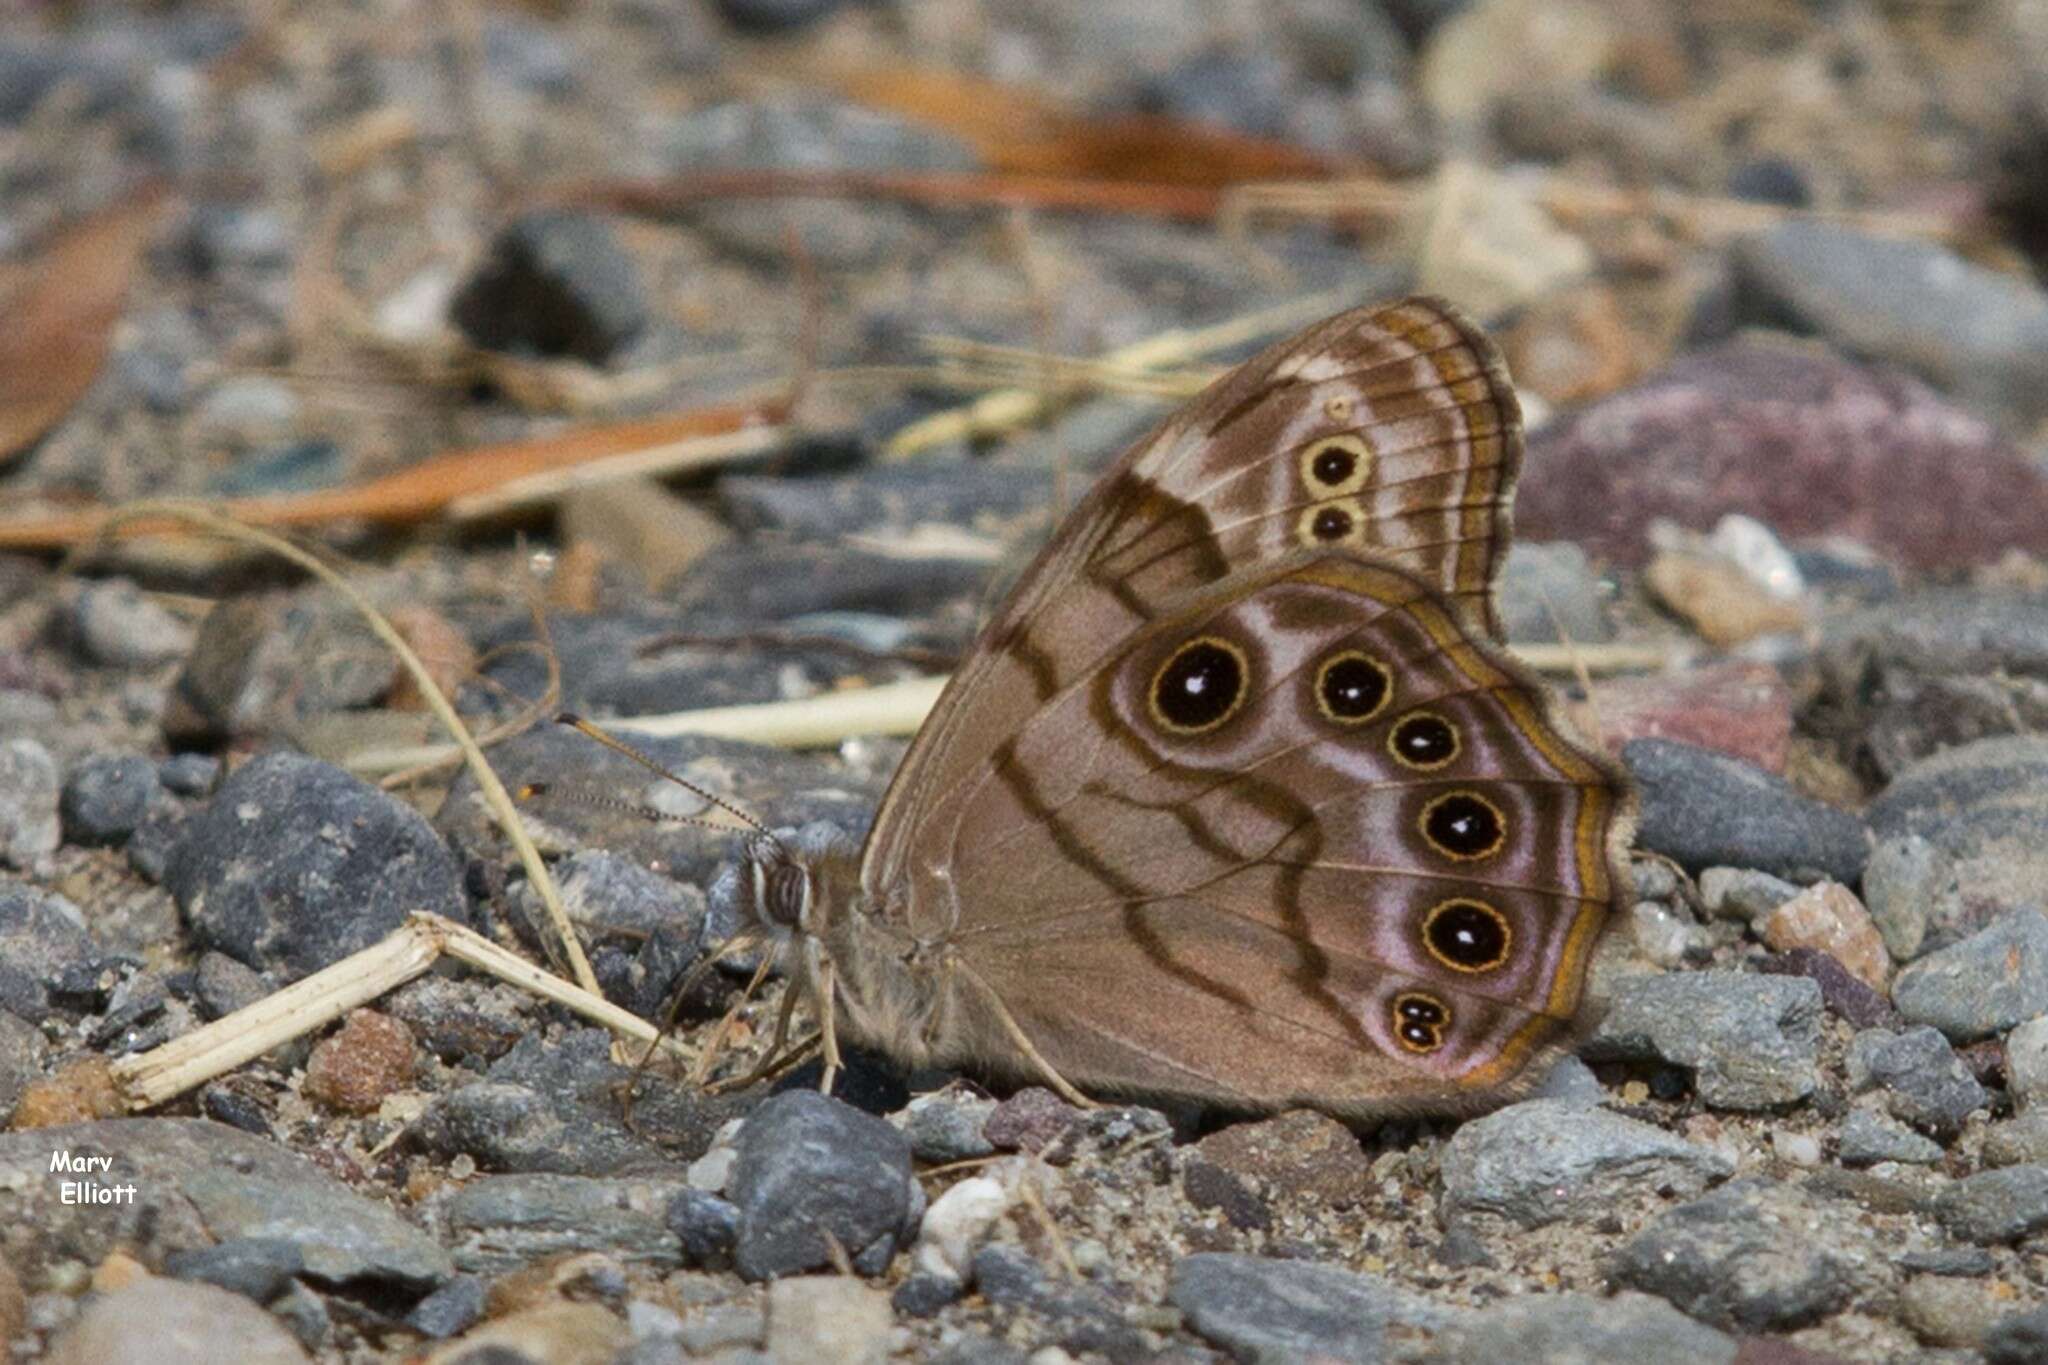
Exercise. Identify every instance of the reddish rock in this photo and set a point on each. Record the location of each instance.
(1029, 1121)
(1734, 708)
(367, 1058)
(1807, 443)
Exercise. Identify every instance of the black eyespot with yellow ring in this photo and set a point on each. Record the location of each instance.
(1329, 525)
(1463, 826)
(1202, 685)
(1336, 466)
(1420, 1021)
(1467, 935)
(1352, 687)
(1424, 741)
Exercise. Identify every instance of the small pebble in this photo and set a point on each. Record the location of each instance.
(367, 1058)
(105, 799)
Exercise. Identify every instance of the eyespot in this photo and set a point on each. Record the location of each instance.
(1200, 687)
(1323, 525)
(1463, 826)
(1336, 465)
(1351, 687)
(1420, 1021)
(1423, 740)
(1467, 935)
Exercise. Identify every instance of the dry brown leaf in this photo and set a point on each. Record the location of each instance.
(60, 319)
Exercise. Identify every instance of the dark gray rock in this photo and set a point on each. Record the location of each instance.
(610, 895)
(809, 1166)
(1924, 1082)
(450, 1310)
(1940, 668)
(1989, 982)
(495, 1223)
(1978, 333)
(254, 1267)
(1745, 1258)
(774, 16)
(1751, 1041)
(296, 864)
(42, 948)
(923, 1294)
(1700, 809)
(1261, 1308)
(555, 284)
(556, 1105)
(2018, 1141)
(104, 799)
(1996, 1206)
(210, 1183)
(1079, 1316)
(225, 985)
(1577, 1329)
(455, 1019)
(29, 827)
(21, 1060)
(705, 1226)
(2018, 1339)
(1550, 587)
(1743, 893)
(891, 498)
(1866, 1139)
(1544, 1160)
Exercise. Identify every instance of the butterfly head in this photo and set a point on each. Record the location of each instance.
(788, 883)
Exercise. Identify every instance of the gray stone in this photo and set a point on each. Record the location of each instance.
(1989, 982)
(809, 1167)
(1750, 1041)
(1944, 1311)
(705, 1226)
(225, 985)
(1580, 1329)
(1983, 806)
(1743, 893)
(1746, 1258)
(42, 948)
(450, 1310)
(208, 1183)
(1544, 1160)
(113, 623)
(947, 1127)
(29, 828)
(189, 774)
(1979, 333)
(1571, 1081)
(295, 864)
(1996, 1206)
(254, 1267)
(1703, 809)
(1908, 883)
(555, 284)
(1925, 1083)
(105, 798)
(1867, 1139)
(1262, 1308)
(243, 413)
(2026, 1061)
(172, 1322)
(889, 499)
(496, 1223)
(2018, 1141)
(1550, 587)
(1080, 1317)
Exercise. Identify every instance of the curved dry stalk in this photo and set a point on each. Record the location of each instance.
(495, 796)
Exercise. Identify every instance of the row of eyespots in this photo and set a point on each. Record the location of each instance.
(1333, 470)
(1465, 935)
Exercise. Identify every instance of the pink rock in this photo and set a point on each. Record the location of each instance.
(1809, 444)
(1827, 916)
(1735, 708)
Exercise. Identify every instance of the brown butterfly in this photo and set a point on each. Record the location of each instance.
(1238, 799)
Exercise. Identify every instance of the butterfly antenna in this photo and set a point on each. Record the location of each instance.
(578, 723)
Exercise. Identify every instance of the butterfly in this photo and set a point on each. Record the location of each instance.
(1238, 799)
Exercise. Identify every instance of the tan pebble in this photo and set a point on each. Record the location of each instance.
(352, 1070)
(79, 1093)
(1827, 916)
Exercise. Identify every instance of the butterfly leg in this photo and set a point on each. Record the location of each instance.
(1046, 1069)
(822, 987)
